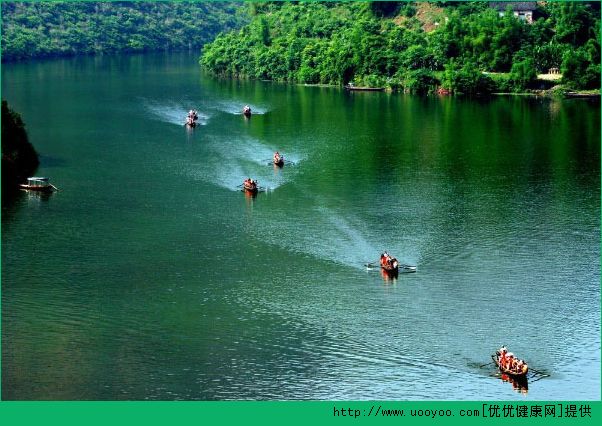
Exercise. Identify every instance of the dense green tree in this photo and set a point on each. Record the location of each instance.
(41, 29)
(578, 72)
(19, 158)
(378, 43)
(523, 74)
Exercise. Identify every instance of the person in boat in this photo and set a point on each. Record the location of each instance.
(246, 109)
(510, 362)
(502, 355)
(519, 366)
(276, 157)
(386, 260)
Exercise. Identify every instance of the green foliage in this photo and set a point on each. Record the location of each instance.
(383, 43)
(419, 81)
(65, 28)
(467, 79)
(19, 158)
(523, 74)
(578, 72)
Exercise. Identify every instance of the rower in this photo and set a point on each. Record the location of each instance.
(511, 361)
(519, 366)
(502, 355)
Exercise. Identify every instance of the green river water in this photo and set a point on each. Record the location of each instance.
(149, 275)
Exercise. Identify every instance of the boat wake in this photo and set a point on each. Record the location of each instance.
(174, 113)
(328, 234)
(235, 107)
(231, 161)
(321, 233)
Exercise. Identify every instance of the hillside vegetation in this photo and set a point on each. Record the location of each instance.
(19, 158)
(460, 46)
(42, 29)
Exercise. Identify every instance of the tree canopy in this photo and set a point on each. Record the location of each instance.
(19, 158)
(453, 45)
(40, 29)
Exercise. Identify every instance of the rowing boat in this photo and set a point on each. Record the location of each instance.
(512, 373)
(364, 89)
(250, 187)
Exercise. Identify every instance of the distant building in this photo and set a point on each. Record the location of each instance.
(523, 10)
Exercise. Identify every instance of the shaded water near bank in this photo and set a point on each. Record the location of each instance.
(149, 275)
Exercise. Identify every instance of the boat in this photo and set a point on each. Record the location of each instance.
(278, 160)
(40, 184)
(351, 87)
(389, 264)
(250, 186)
(578, 95)
(522, 374)
(191, 118)
(246, 111)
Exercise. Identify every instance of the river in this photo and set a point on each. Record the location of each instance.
(150, 275)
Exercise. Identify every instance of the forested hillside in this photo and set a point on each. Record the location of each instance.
(44, 29)
(460, 46)
(19, 158)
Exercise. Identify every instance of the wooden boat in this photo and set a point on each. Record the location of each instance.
(512, 373)
(364, 89)
(40, 184)
(390, 267)
(577, 95)
(250, 187)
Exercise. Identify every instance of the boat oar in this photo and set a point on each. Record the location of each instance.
(371, 264)
(53, 186)
(484, 365)
(541, 373)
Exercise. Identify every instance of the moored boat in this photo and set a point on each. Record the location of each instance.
(363, 89)
(40, 184)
